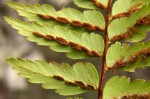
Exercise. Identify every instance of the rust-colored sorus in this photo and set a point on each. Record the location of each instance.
(145, 21)
(68, 43)
(134, 57)
(73, 23)
(129, 12)
(125, 35)
(99, 4)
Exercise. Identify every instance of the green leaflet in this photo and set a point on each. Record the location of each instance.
(46, 14)
(125, 87)
(140, 34)
(66, 80)
(124, 6)
(91, 4)
(60, 39)
(120, 55)
(122, 26)
(121, 6)
(115, 52)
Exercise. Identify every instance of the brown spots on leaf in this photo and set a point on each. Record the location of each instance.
(83, 86)
(49, 37)
(95, 54)
(90, 87)
(45, 17)
(38, 34)
(62, 41)
(143, 58)
(86, 87)
(99, 4)
(134, 57)
(71, 83)
(92, 28)
(98, 28)
(125, 14)
(117, 37)
(73, 23)
(84, 49)
(61, 20)
(130, 32)
(145, 21)
(134, 8)
(75, 83)
(58, 77)
(89, 26)
(77, 23)
(129, 12)
(75, 46)
(67, 43)
(119, 62)
(80, 83)
(90, 53)
(78, 47)
(145, 52)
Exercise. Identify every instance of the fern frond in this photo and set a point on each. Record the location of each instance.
(126, 89)
(124, 27)
(124, 8)
(121, 55)
(85, 44)
(66, 80)
(46, 14)
(91, 4)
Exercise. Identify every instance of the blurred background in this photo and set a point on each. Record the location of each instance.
(14, 45)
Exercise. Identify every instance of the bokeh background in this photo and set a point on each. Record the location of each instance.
(14, 45)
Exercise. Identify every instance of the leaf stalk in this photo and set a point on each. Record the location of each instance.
(106, 40)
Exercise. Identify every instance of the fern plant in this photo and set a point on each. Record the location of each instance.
(74, 33)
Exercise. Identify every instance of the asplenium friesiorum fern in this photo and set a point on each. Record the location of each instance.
(74, 33)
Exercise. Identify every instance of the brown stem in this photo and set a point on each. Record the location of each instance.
(104, 68)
